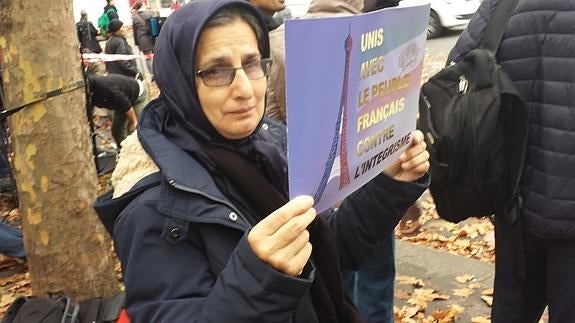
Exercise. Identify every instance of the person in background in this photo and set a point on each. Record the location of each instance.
(11, 242)
(372, 5)
(535, 254)
(117, 44)
(268, 8)
(111, 10)
(124, 95)
(142, 32)
(202, 223)
(87, 35)
(280, 16)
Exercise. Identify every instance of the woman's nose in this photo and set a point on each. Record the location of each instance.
(242, 85)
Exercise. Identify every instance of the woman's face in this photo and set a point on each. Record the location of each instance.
(236, 109)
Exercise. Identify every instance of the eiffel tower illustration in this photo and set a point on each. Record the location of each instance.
(340, 133)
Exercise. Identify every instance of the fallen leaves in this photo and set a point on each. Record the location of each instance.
(463, 292)
(487, 299)
(418, 303)
(480, 319)
(471, 238)
(6, 300)
(408, 314)
(401, 294)
(428, 294)
(448, 315)
(464, 278)
(13, 286)
(487, 296)
(469, 290)
(408, 280)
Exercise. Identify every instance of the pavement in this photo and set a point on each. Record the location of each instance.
(438, 271)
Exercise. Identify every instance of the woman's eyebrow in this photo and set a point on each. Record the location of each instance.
(214, 61)
(251, 56)
(222, 60)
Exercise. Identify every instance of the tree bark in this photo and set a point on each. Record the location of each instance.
(66, 246)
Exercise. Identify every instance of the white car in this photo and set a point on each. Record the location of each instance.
(447, 14)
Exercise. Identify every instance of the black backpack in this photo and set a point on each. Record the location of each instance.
(475, 126)
(63, 309)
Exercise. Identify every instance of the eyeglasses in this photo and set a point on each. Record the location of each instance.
(224, 76)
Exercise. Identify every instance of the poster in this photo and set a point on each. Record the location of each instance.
(352, 89)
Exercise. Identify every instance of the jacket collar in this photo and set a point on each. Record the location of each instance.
(150, 159)
(179, 168)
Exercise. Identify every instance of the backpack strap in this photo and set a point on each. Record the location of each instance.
(496, 24)
(113, 307)
(71, 309)
(13, 309)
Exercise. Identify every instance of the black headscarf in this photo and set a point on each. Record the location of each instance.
(174, 70)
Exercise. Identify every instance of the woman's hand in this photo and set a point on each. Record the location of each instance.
(281, 239)
(412, 163)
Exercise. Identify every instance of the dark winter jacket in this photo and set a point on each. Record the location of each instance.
(537, 53)
(372, 5)
(182, 242)
(142, 35)
(118, 45)
(87, 36)
(113, 91)
(269, 17)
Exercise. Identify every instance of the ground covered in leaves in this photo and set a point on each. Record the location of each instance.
(473, 238)
(416, 300)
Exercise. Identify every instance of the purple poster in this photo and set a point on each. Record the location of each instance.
(352, 86)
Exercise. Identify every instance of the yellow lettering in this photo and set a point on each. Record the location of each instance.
(371, 39)
(371, 67)
(379, 114)
(371, 142)
(363, 97)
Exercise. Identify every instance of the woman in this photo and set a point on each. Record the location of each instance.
(208, 235)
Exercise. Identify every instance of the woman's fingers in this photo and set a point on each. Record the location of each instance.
(292, 258)
(281, 216)
(415, 161)
(298, 262)
(417, 146)
(293, 228)
(281, 239)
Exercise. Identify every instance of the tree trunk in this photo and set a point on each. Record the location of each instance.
(66, 246)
